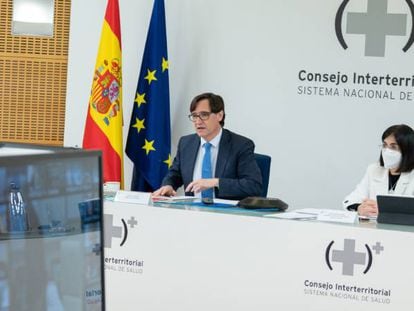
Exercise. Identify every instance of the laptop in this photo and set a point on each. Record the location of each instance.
(394, 209)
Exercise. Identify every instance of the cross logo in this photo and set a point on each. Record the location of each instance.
(376, 24)
(378, 248)
(132, 222)
(349, 257)
(110, 231)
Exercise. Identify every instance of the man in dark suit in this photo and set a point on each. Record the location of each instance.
(230, 170)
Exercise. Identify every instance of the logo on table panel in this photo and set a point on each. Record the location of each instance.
(352, 257)
(117, 232)
(376, 24)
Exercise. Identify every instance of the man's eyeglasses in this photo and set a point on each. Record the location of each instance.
(203, 115)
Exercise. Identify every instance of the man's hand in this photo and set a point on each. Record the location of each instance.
(202, 184)
(368, 207)
(164, 191)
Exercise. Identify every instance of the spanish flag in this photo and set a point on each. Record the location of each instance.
(103, 128)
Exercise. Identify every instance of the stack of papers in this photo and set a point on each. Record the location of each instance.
(330, 215)
(296, 215)
(333, 215)
(176, 199)
(190, 199)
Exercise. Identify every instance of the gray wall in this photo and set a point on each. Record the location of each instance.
(250, 52)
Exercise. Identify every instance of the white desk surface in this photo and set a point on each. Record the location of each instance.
(191, 258)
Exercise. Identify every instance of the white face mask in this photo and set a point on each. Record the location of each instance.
(391, 158)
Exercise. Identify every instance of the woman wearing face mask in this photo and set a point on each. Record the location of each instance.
(393, 174)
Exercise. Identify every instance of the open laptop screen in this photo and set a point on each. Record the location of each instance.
(51, 232)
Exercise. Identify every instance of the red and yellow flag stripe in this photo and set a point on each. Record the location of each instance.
(103, 128)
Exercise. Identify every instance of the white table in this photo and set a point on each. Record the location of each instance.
(189, 259)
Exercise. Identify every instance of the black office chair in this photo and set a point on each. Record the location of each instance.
(263, 161)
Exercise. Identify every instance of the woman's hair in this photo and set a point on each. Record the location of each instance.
(404, 136)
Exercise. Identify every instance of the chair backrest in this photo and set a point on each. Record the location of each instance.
(263, 161)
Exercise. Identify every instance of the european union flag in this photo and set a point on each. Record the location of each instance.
(149, 137)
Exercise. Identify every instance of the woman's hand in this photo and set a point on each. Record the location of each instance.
(368, 207)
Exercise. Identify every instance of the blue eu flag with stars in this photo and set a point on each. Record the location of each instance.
(149, 137)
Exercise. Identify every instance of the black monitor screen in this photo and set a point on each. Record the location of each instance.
(50, 232)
